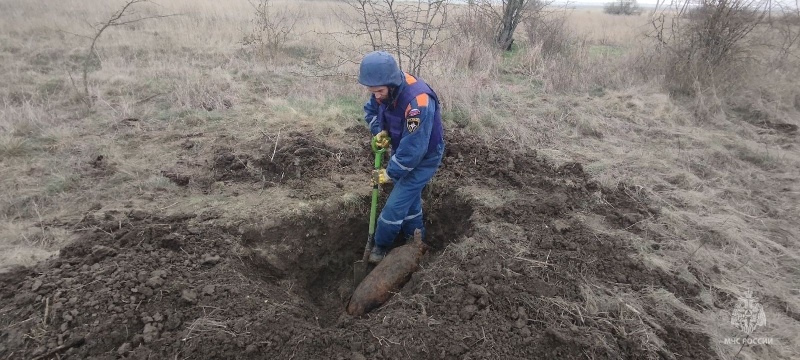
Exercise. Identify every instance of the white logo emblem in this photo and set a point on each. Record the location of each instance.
(412, 124)
(748, 314)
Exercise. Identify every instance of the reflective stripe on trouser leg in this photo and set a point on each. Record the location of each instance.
(404, 194)
(407, 194)
(413, 220)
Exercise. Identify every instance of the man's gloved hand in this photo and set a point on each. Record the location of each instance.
(382, 139)
(380, 177)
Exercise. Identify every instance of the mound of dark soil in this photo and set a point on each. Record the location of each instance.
(294, 158)
(140, 286)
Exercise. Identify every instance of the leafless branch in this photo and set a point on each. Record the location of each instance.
(145, 18)
(116, 19)
(705, 37)
(272, 28)
(408, 29)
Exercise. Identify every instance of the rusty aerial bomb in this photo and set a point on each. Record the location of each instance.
(388, 277)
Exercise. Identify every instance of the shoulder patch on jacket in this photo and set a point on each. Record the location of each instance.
(413, 113)
(422, 100)
(412, 124)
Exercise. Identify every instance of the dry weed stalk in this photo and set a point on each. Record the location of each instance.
(207, 323)
(441, 281)
(383, 341)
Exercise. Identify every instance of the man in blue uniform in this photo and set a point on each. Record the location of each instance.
(404, 113)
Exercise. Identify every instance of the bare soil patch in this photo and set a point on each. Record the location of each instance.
(140, 286)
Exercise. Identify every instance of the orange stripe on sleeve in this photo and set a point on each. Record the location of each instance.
(410, 79)
(422, 100)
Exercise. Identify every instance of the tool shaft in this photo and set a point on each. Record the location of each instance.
(373, 211)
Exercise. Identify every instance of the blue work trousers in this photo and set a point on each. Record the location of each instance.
(403, 209)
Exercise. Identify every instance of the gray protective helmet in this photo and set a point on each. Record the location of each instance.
(379, 68)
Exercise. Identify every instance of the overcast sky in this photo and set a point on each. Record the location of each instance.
(589, 2)
(786, 4)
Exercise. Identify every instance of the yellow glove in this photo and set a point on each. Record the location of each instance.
(381, 177)
(382, 139)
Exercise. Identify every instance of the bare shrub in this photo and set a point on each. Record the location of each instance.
(504, 17)
(125, 16)
(786, 27)
(470, 54)
(408, 29)
(272, 28)
(513, 12)
(622, 7)
(472, 24)
(563, 61)
(478, 25)
(707, 45)
(472, 46)
(549, 32)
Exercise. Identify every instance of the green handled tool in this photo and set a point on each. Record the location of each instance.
(361, 267)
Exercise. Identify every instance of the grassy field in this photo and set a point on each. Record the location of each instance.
(719, 164)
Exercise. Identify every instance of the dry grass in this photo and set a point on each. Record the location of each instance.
(600, 28)
(727, 187)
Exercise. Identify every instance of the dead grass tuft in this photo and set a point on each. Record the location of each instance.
(11, 146)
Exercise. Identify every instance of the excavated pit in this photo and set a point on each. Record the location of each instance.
(532, 281)
(317, 252)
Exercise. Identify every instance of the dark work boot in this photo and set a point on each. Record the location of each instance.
(377, 254)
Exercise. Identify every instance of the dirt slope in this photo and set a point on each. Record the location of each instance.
(515, 273)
